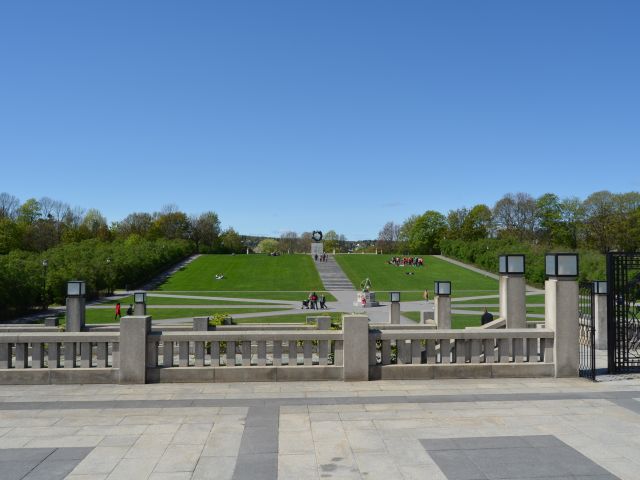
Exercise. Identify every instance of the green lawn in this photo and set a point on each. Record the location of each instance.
(105, 315)
(457, 321)
(174, 301)
(385, 277)
(301, 318)
(247, 272)
(539, 299)
(412, 296)
(295, 295)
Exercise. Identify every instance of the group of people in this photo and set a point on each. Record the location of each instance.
(312, 302)
(118, 315)
(322, 258)
(404, 261)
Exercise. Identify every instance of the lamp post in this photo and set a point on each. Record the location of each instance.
(442, 304)
(513, 305)
(561, 311)
(76, 290)
(394, 310)
(599, 313)
(45, 264)
(109, 276)
(140, 303)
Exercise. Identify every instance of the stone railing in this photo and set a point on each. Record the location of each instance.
(358, 352)
(241, 355)
(58, 357)
(395, 354)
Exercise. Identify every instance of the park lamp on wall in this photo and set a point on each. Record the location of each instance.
(75, 288)
(394, 296)
(443, 288)
(561, 265)
(509, 264)
(600, 287)
(139, 297)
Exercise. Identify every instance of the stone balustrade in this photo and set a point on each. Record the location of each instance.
(359, 352)
(460, 353)
(238, 354)
(59, 357)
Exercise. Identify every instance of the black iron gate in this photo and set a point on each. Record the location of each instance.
(587, 331)
(623, 312)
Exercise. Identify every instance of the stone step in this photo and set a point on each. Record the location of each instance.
(332, 276)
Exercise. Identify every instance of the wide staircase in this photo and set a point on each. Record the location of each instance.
(332, 275)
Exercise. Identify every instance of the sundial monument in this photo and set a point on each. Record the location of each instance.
(317, 246)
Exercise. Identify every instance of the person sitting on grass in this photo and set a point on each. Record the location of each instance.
(219, 276)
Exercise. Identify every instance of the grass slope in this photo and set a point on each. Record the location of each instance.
(174, 301)
(105, 315)
(290, 295)
(385, 277)
(247, 272)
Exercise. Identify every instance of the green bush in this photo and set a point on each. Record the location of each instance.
(131, 263)
(484, 254)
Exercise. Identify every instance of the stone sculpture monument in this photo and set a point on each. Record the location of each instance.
(317, 246)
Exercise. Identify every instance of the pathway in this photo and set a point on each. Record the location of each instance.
(434, 429)
(481, 271)
(332, 275)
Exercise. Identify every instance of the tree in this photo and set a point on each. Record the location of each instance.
(455, 222)
(288, 241)
(549, 218)
(388, 237)
(8, 205)
(95, 224)
(138, 223)
(170, 224)
(404, 234)
(477, 224)
(268, 245)
(205, 231)
(600, 209)
(29, 212)
(427, 232)
(231, 242)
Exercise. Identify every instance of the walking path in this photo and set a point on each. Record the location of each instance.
(332, 275)
(481, 271)
(437, 430)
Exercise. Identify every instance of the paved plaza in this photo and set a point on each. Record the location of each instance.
(444, 429)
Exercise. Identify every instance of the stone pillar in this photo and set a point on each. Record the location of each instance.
(323, 323)
(51, 322)
(394, 313)
(200, 324)
(426, 317)
(75, 313)
(133, 348)
(561, 315)
(513, 304)
(442, 312)
(139, 309)
(356, 348)
(600, 320)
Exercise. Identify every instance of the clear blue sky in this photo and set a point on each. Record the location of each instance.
(316, 115)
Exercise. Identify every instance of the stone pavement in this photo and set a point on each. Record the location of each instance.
(444, 429)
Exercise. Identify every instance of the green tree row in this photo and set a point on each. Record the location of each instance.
(484, 254)
(28, 279)
(38, 225)
(604, 221)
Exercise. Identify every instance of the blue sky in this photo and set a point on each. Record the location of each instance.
(324, 115)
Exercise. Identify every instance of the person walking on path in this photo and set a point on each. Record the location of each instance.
(323, 301)
(425, 295)
(118, 315)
